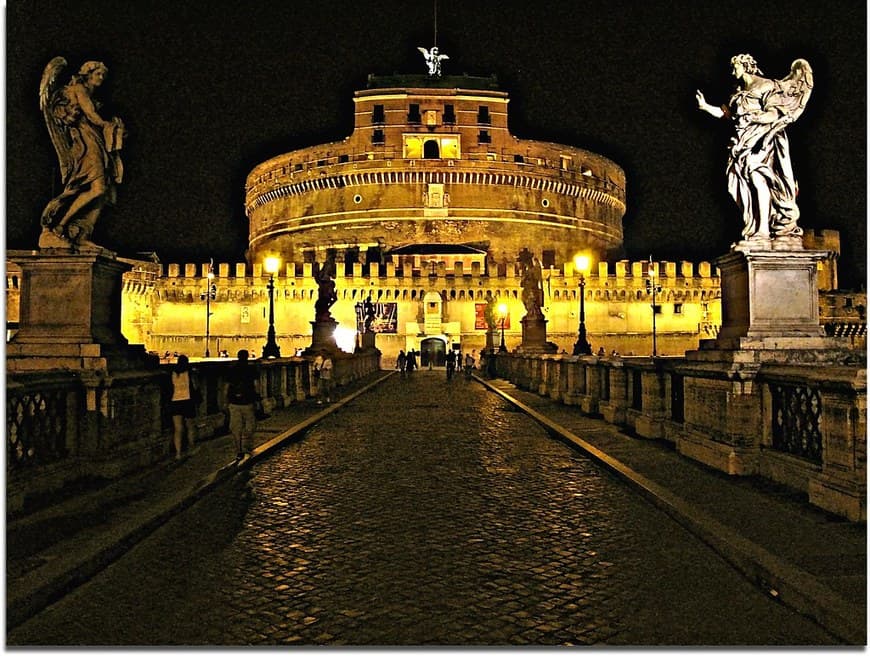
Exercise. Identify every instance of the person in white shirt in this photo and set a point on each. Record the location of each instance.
(183, 406)
(323, 368)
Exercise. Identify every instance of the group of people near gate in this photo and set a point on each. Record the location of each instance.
(453, 360)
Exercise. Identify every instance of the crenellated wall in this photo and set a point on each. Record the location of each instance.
(617, 304)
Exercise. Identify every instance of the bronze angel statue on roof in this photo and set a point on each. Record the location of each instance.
(433, 60)
(88, 151)
(759, 172)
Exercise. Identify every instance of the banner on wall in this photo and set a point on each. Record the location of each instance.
(385, 321)
(480, 318)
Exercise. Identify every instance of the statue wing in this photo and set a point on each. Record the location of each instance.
(796, 89)
(443, 57)
(48, 88)
(424, 51)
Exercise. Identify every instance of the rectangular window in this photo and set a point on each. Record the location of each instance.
(484, 137)
(519, 159)
(449, 116)
(414, 113)
(548, 259)
(377, 136)
(297, 167)
(657, 308)
(483, 115)
(342, 159)
(678, 308)
(378, 114)
(565, 162)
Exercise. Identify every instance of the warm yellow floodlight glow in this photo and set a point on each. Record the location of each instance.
(581, 263)
(502, 310)
(271, 264)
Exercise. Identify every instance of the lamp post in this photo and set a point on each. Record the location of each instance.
(502, 314)
(582, 345)
(208, 296)
(653, 288)
(271, 349)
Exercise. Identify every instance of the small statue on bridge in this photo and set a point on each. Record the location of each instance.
(368, 314)
(532, 281)
(88, 150)
(324, 274)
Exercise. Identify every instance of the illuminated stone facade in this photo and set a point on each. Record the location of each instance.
(431, 160)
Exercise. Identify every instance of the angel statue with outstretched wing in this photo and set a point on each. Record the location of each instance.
(433, 60)
(759, 172)
(88, 151)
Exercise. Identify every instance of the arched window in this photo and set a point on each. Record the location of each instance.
(431, 150)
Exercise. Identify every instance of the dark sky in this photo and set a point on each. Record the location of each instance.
(209, 89)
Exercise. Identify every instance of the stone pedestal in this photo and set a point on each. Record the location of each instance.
(770, 294)
(70, 313)
(367, 340)
(323, 336)
(535, 336)
(770, 310)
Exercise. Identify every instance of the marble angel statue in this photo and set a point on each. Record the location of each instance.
(88, 151)
(759, 171)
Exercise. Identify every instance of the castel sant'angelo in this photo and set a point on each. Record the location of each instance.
(426, 210)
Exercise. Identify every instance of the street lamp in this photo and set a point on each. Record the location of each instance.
(652, 287)
(271, 350)
(502, 314)
(582, 345)
(208, 296)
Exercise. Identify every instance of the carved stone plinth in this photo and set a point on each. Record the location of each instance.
(70, 313)
(367, 340)
(770, 294)
(323, 336)
(770, 311)
(535, 336)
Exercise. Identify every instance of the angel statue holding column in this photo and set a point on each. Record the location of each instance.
(88, 151)
(759, 172)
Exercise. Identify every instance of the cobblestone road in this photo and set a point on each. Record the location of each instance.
(421, 513)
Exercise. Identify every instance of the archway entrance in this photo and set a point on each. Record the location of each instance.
(432, 349)
(431, 150)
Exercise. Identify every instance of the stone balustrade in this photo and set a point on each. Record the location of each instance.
(803, 426)
(65, 429)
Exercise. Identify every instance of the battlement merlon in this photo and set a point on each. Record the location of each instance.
(666, 273)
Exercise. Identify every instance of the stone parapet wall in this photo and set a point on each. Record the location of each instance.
(67, 429)
(798, 425)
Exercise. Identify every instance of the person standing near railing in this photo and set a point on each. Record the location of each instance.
(182, 406)
(242, 396)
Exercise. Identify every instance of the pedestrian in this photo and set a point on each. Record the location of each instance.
(411, 361)
(601, 352)
(401, 361)
(469, 363)
(185, 398)
(323, 366)
(242, 397)
(450, 363)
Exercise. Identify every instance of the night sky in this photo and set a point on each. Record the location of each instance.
(209, 89)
